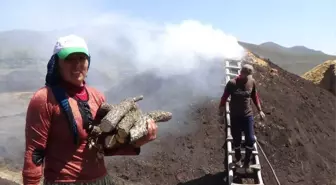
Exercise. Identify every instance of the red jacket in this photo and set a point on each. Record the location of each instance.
(47, 129)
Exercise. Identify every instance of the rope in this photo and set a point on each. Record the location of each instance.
(262, 151)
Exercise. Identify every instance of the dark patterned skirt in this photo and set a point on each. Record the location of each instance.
(106, 180)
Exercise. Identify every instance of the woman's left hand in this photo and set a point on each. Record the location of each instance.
(152, 130)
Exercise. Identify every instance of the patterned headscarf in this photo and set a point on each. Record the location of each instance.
(52, 80)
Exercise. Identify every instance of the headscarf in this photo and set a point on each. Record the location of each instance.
(52, 80)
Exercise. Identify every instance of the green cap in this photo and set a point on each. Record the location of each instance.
(70, 44)
(65, 52)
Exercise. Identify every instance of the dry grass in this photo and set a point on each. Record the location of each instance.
(317, 73)
(256, 60)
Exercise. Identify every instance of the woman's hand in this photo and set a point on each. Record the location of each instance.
(152, 131)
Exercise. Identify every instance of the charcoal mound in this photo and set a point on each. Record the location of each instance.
(299, 135)
(298, 138)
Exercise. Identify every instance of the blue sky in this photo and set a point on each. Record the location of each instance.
(310, 23)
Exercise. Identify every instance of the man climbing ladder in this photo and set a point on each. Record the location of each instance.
(242, 90)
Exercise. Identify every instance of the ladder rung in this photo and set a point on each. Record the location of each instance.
(230, 138)
(255, 166)
(243, 138)
(233, 67)
(243, 152)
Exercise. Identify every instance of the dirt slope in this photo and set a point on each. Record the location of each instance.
(298, 138)
(323, 75)
(301, 133)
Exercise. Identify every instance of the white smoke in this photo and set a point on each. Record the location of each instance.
(178, 48)
(171, 49)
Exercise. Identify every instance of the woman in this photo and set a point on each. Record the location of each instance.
(57, 118)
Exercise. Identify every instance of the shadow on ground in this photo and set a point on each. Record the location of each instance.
(213, 179)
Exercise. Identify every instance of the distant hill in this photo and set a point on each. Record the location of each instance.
(297, 59)
(25, 44)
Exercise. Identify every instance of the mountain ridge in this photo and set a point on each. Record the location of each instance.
(296, 48)
(295, 59)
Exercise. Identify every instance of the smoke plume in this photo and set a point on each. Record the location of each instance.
(170, 49)
(172, 65)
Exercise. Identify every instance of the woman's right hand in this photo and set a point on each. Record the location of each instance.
(152, 131)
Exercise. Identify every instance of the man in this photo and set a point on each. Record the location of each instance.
(242, 90)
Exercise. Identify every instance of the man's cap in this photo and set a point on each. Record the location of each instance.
(70, 44)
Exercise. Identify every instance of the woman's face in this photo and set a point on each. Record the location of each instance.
(74, 68)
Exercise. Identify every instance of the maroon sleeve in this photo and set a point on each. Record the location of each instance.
(226, 94)
(36, 134)
(255, 97)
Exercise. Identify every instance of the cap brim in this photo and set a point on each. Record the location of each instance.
(65, 52)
